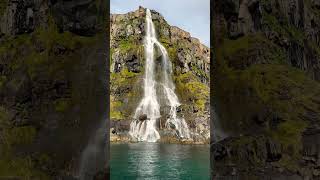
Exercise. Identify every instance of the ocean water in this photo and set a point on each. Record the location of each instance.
(156, 161)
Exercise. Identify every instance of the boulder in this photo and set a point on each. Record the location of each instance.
(143, 117)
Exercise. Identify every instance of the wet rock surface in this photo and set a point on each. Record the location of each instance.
(53, 84)
(266, 89)
(191, 67)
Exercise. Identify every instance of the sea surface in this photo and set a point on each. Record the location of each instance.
(156, 161)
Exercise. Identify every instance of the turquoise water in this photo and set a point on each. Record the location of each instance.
(155, 161)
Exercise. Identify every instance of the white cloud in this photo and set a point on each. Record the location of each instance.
(190, 15)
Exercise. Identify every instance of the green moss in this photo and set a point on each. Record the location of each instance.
(12, 44)
(241, 44)
(11, 135)
(289, 134)
(122, 82)
(284, 30)
(115, 113)
(190, 88)
(122, 78)
(286, 91)
(3, 6)
(110, 56)
(289, 162)
(50, 36)
(36, 56)
(19, 135)
(11, 164)
(200, 72)
(127, 44)
(34, 62)
(22, 168)
(4, 117)
(3, 80)
(62, 105)
(164, 40)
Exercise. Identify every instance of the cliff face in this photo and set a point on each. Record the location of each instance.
(190, 61)
(52, 84)
(267, 89)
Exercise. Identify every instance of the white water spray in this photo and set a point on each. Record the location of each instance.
(146, 130)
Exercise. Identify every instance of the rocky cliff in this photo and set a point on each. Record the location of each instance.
(191, 64)
(52, 84)
(267, 89)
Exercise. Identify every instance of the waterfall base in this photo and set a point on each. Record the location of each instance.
(166, 136)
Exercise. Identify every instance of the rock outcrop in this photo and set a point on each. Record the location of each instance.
(267, 89)
(191, 67)
(52, 84)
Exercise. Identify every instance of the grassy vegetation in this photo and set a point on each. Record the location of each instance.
(284, 30)
(123, 83)
(44, 54)
(3, 6)
(62, 105)
(252, 49)
(10, 163)
(127, 44)
(124, 77)
(188, 85)
(115, 113)
(286, 91)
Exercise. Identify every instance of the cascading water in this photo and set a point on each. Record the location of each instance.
(146, 130)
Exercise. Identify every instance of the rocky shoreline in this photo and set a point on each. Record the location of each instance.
(119, 132)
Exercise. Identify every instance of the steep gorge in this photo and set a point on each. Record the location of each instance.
(191, 63)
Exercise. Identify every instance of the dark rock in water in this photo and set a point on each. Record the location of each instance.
(143, 117)
(179, 109)
(178, 134)
(172, 126)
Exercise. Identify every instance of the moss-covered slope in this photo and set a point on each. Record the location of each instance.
(267, 89)
(190, 61)
(52, 88)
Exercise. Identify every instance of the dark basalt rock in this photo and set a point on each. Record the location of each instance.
(78, 16)
(42, 97)
(261, 146)
(82, 17)
(143, 117)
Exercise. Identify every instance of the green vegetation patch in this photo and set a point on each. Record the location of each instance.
(115, 113)
(192, 90)
(284, 30)
(20, 167)
(19, 135)
(122, 85)
(62, 105)
(251, 49)
(10, 136)
(3, 6)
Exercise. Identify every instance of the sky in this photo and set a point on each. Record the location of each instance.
(192, 16)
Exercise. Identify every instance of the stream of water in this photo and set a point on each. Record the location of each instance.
(146, 130)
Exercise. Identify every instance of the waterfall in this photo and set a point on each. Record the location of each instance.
(146, 130)
(93, 158)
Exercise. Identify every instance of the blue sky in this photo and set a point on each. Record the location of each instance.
(190, 15)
